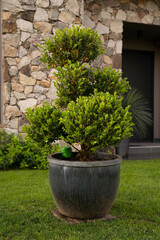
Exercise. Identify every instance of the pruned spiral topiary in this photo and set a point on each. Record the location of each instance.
(94, 116)
(95, 122)
(74, 44)
(74, 80)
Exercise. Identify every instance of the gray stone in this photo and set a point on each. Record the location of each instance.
(28, 16)
(121, 15)
(13, 71)
(35, 39)
(117, 26)
(27, 103)
(43, 27)
(147, 19)
(13, 123)
(53, 14)
(117, 61)
(133, 17)
(9, 51)
(19, 95)
(109, 51)
(29, 7)
(25, 26)
(25, 36)
(40, 89)
(41, 15)
(26, 70)
(12, 111)
(6, 76)
(109, 9)
(29, 2)
(25, 80)
(56, 3)
(12, 101)
(28, 89)
(156, 21)
(106, 22)
(157, 14)
(41, 99)
(98, 62)
(12, 94)
(9, 131)
(107, 60)
(22, 52)
(66, 17)
(11, 39)
(101, 29)
(11, 61)
(44, 83)
(151, 6)
(88, 22)
(6, 16)
(39, 75)
(116, 36)
(24, 61)
(42, 3)
(31, 95)
(12, 6)
(7, 90)
(36, 61)
(60, 25)
(111, 43)
(52, 75)
(17, 87)
(105, 15)
(9, 27)
(119, 47)
(52, 92)
(26, 44)
(94, 7)
(72, 6)
(35, 54)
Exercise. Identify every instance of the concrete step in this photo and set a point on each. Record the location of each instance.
(144, 151)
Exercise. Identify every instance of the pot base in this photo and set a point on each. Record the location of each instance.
(69, 220)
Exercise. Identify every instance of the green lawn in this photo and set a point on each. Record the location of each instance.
(26, 203)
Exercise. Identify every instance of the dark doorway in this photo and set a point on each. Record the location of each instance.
(138, 67)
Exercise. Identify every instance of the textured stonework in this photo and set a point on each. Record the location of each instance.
(25, 23)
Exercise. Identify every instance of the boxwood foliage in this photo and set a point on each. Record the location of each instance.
(96, 121)
(44, 124)
(74, 80)
(16, 152)
(74, 44)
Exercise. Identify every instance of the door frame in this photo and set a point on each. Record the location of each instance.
(139, 84)
(140, 44)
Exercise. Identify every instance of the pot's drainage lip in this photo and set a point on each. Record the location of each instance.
(69, 220)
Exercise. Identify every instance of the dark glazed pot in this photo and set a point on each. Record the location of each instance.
(123, 147)
(84, 190)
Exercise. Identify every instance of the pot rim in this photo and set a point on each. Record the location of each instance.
(100, 163)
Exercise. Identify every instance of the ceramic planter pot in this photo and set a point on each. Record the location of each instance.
(84, 190)
(123, 147)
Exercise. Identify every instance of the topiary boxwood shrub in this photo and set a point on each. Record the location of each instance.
(95, 122)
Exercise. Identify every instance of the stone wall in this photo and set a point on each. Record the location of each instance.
(107, 16)
(25, 23)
